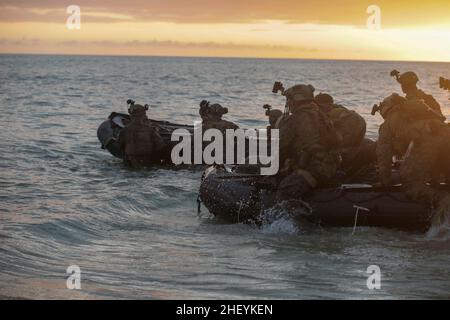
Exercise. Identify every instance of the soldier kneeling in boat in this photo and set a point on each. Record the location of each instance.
(408, 81)
(414, 131)
(307, 138)
(211, 115)
(140, 142)
(275, 116)
(357, 152)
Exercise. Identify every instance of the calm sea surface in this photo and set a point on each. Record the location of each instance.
(137, 234)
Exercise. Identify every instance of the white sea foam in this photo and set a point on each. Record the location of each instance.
(285, 218)
(440, 229)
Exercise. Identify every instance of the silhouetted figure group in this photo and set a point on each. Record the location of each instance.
(321, 140)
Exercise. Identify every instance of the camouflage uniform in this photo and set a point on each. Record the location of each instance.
(280, 122)
(218, 124)
(410, 129)
(141, 143)
(274, 117)
(427, 98)
(408, 81)
(304, 152)
(212, 119)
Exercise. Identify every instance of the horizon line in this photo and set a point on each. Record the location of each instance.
(216, 57)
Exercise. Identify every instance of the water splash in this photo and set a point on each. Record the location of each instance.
(440, 227)
(288, 217)
(283, 225)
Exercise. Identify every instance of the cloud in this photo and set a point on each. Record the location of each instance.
(20, 42)
(58, 15)
(348, 12)
(177, 44)
(152, 46)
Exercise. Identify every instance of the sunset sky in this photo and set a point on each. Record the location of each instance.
(410, 29)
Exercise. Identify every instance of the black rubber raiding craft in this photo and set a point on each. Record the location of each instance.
(109, 130)
(237, 197)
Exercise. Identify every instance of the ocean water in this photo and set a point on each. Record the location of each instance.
(137, 234)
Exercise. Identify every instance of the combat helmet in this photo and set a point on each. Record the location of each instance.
(324, 98)
(390, 102)
(274, 113)
(406, 78)
(134, 108)
(208, 110)
(300, 93)
(137, 109)
(217, 109)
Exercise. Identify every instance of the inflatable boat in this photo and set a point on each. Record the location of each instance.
(109, 130)
(237, 197)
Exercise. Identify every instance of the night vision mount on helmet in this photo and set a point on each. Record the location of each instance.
(131, 104)
(389, 102)
(211, 109)
(405, 78)
(278, 87)
(296, 93)
(268, 109)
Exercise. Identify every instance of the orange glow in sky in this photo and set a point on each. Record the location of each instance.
(410, 30)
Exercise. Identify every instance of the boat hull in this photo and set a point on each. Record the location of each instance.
(239, 198)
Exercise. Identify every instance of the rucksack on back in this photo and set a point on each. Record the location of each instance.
(329, 137)
(415, 110)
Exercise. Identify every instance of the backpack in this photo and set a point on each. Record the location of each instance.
(351, 126)
(415, 120)
(329, 137)
(415, 110)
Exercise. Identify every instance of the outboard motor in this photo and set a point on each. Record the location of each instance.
(108, 132)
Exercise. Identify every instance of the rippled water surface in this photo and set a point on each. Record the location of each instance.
(137, 234)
